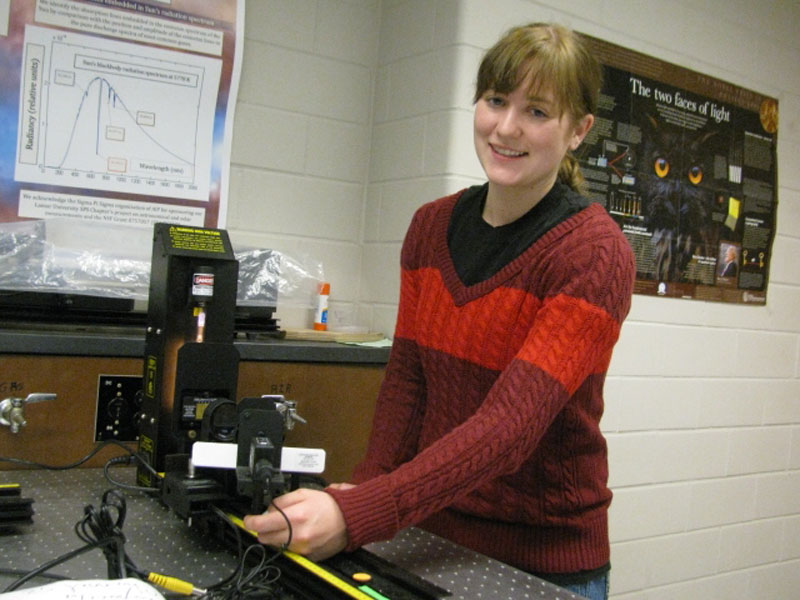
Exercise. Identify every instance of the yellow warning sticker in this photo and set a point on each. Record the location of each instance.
(150, 378)
(199, 240)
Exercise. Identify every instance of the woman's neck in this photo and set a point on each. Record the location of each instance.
(505, 205)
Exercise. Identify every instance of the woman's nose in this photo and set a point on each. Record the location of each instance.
(508, 123)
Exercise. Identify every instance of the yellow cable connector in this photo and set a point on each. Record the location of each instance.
(174, 585)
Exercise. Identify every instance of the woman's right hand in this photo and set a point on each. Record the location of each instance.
(341, 486)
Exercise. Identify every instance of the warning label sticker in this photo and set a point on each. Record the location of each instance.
(199, 240)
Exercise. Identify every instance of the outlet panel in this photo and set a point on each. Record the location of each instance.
(118, 403)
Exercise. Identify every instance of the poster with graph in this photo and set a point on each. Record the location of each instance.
(115, 116)
(121, 111)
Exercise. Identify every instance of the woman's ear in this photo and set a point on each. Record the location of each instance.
(582, 127)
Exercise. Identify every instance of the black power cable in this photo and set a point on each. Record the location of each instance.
(77, 463)
(105, 524)
(130, 458)
(97, 529)
(255, 575)
(101, 528)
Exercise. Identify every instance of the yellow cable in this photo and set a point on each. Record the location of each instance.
(174, 585)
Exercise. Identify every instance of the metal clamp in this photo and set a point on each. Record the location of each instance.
(288, 409)
(12, 410)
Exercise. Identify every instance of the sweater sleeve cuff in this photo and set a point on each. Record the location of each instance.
(366, 471)
(369, 511)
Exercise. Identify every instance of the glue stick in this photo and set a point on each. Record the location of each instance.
(321, 315)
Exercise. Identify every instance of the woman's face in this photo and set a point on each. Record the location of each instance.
(521, 139)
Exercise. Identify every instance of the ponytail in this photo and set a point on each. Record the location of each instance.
(569, 173)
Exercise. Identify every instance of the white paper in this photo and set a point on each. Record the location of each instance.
(214, 454)
(90, 589)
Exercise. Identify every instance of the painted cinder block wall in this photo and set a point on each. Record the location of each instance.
(352, 113)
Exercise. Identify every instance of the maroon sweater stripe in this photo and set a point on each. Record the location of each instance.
(487, 426)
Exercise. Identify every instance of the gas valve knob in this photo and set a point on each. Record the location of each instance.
(12, 410)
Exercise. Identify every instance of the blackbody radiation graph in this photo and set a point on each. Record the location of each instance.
(105, 129)
(115, 116)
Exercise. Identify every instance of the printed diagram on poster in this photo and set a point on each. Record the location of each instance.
(118, 113)
(116, 116)
(686, 165)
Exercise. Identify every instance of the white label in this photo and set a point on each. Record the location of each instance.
(302, 460)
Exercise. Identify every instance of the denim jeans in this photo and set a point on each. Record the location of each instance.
(596, 589)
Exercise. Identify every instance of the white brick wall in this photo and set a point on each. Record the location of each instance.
(352, 113)
(301, 143)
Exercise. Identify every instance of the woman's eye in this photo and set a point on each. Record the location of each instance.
(538, 112)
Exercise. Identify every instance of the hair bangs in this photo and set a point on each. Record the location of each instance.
(550, 58)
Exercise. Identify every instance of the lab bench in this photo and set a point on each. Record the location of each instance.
(335, 386)
(157, 540)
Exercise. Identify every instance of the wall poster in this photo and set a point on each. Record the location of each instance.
(687, 166)
(117, 112)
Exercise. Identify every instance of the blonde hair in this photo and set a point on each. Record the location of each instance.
(555, 57)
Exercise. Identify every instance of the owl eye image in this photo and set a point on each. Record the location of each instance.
(695, 175)
(661, 167)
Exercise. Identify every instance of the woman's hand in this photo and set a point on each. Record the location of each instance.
(341, 486)
(318, 526)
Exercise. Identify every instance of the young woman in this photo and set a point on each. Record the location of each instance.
(513, 293)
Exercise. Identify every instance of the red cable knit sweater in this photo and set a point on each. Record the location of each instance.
(487, 429)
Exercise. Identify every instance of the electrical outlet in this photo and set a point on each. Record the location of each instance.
(119, 400)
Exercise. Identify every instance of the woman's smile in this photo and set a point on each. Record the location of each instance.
(507, 152)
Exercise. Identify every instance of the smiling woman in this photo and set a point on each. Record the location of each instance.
(542, 85)
(486, 429)
(521, 140)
